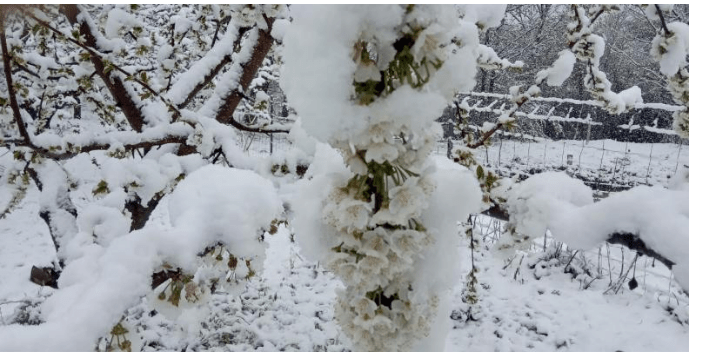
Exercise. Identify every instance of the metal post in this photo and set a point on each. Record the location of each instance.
(648, 165)
(678, 154)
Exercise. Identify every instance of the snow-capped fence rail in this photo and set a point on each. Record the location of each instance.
(657, 106)
(474, 101)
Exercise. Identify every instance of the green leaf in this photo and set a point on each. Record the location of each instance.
(119, 330)
(101, 188)
(480, 172)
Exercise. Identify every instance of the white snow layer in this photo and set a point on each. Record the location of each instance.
(560, 70)
(565, 206)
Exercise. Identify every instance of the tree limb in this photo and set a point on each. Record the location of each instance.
(88, 148)
(116, 87)
(229, 104)
(7, 64)
(626, 239)
(210, 76)
(664, 25)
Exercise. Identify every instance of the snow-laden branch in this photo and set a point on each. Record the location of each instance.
(671, 49)
(235, 82)
(115, 274)
(60, 148)
(203, 71)
(589, 48)
(651, 220)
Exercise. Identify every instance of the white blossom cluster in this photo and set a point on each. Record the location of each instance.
(399, 65)
(671, 49)
(589, 48)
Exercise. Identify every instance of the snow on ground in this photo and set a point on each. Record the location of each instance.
(22, 244)
(545, 309)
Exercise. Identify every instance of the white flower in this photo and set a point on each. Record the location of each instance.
(364, 306)
(406, 200)
(348, 214)
(381, 152)
(376, 241)
(381, 132)
(406, 241)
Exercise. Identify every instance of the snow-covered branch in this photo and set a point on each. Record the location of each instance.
(651, 220)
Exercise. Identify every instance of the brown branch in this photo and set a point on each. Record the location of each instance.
(139, 213)
(243, 127)
(634, 242)
(89, 148)
(231, 101)
(596, 16)
(116, 87)
(664, 25)
(519, 102)
(226, 19)
(8, 79)
(485, 136)
(207, 79)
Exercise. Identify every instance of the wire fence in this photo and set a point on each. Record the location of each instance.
(602, 161)
(607, 263)
(603, 164)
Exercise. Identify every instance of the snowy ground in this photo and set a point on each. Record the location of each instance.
(530, 302)
(605, 161)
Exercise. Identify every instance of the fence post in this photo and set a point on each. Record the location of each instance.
(528, 156)
(603, 151)
(678, 154)
(450, 149)
(648, 165)
(501, 142)
(564, 143)
(271, 143)
(580, 158)
(545, 153)
(486, 152)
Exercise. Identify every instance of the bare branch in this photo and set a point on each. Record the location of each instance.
(7, 64)
(664, 25)
(485, 136)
